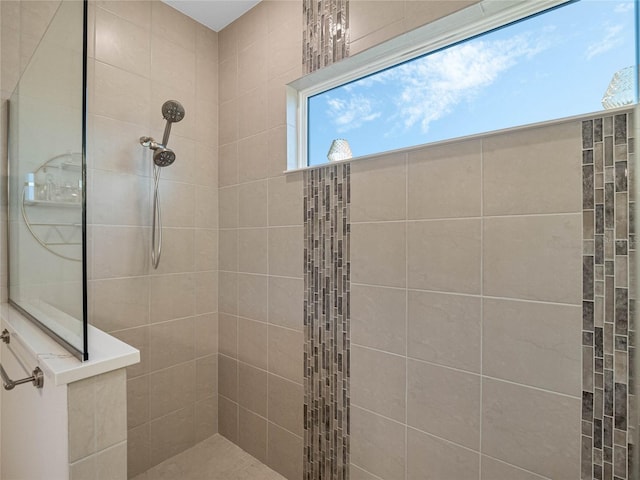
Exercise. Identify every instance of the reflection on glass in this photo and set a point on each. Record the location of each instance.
(46, 182)
(553, 65)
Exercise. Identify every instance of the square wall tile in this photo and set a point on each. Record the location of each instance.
(445, 329)
(534, 258)
(378, 254)
(252, 250)
(536, 430)
(535, 344)
(444, 181)
(444, 255)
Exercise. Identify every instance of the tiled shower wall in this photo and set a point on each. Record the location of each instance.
(466, 308)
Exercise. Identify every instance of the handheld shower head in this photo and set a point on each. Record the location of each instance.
(163, 156)
(172, 111)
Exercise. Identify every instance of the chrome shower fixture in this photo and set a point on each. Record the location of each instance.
(163, 156)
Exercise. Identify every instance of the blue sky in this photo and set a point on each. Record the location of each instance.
(554, 65)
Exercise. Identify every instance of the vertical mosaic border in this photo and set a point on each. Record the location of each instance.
(608, 331)
(326, 322)
(325, 33)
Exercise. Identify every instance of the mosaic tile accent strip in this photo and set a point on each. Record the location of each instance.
(608, 331)
(327, 287)
(325, 33)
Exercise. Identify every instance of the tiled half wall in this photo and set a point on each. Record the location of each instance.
(608, 335)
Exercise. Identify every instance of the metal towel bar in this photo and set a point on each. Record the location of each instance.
(37, 377)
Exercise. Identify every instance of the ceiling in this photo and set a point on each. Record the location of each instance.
(215, 14)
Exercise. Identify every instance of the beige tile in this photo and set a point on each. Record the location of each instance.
(444, 181)
(228, 292)
(251, 162)
(252, 27)
(171, 343)
(430, 458)
(172, 296)
(171, 435)
(138, 12)
(228, 200)
(493, 469)
(277, 148)
(535, 258)
(378, 254)
(285, 353)
(419, 13)
(173, 25)
(228, 42)
(536, 170)
(177, 202)
(228, 377)
(85, 469)
(535, 430)
(206, 334)
(285, 200)
(228, 164)
(228, 335)
(228, 252)
(444, 255)
(286, 302)
(284, 452)
(252, 436)
(535, 344)
(120, 251)
(252, 66)
(137, 338)
(206, 249)
(206, 418)
(121, 95)
(444, 402)
(137, 401)
(112, 463)
(229, 114)
(252, 112)
(379, 189)
(445, 329)
(82, 411)
(367, 17)
(138, 450)
(228, 418)
(378, 382)
(178, 254)
(112, 196)
(131, 308)
(121, 43)
(206, 377)
(172, 389)
(377, 444)
(286, 251)
(252, 204)
(285, 401)
(253, 296)
(252, 342)
(206, 214)
(113, 149)
(284, 44)
(253, 250)
(378, 317)
(228, 80)
(376, 38)
(357, 473)
(252, 389)
(111, 408)
(206, 286)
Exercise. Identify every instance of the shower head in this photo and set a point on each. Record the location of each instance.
(163, 156)
(172, 111)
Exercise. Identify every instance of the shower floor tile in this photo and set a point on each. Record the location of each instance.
(215, 458)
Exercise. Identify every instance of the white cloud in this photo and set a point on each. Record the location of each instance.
(352, 112)
(612, 38)
(624, 7)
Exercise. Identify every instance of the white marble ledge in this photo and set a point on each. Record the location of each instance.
(34, 348)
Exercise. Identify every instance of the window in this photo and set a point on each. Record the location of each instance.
(577, 58)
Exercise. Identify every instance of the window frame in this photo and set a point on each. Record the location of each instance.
(460, 26)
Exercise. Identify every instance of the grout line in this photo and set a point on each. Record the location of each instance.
(406, 320)
(482, 218)
(478, 217)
